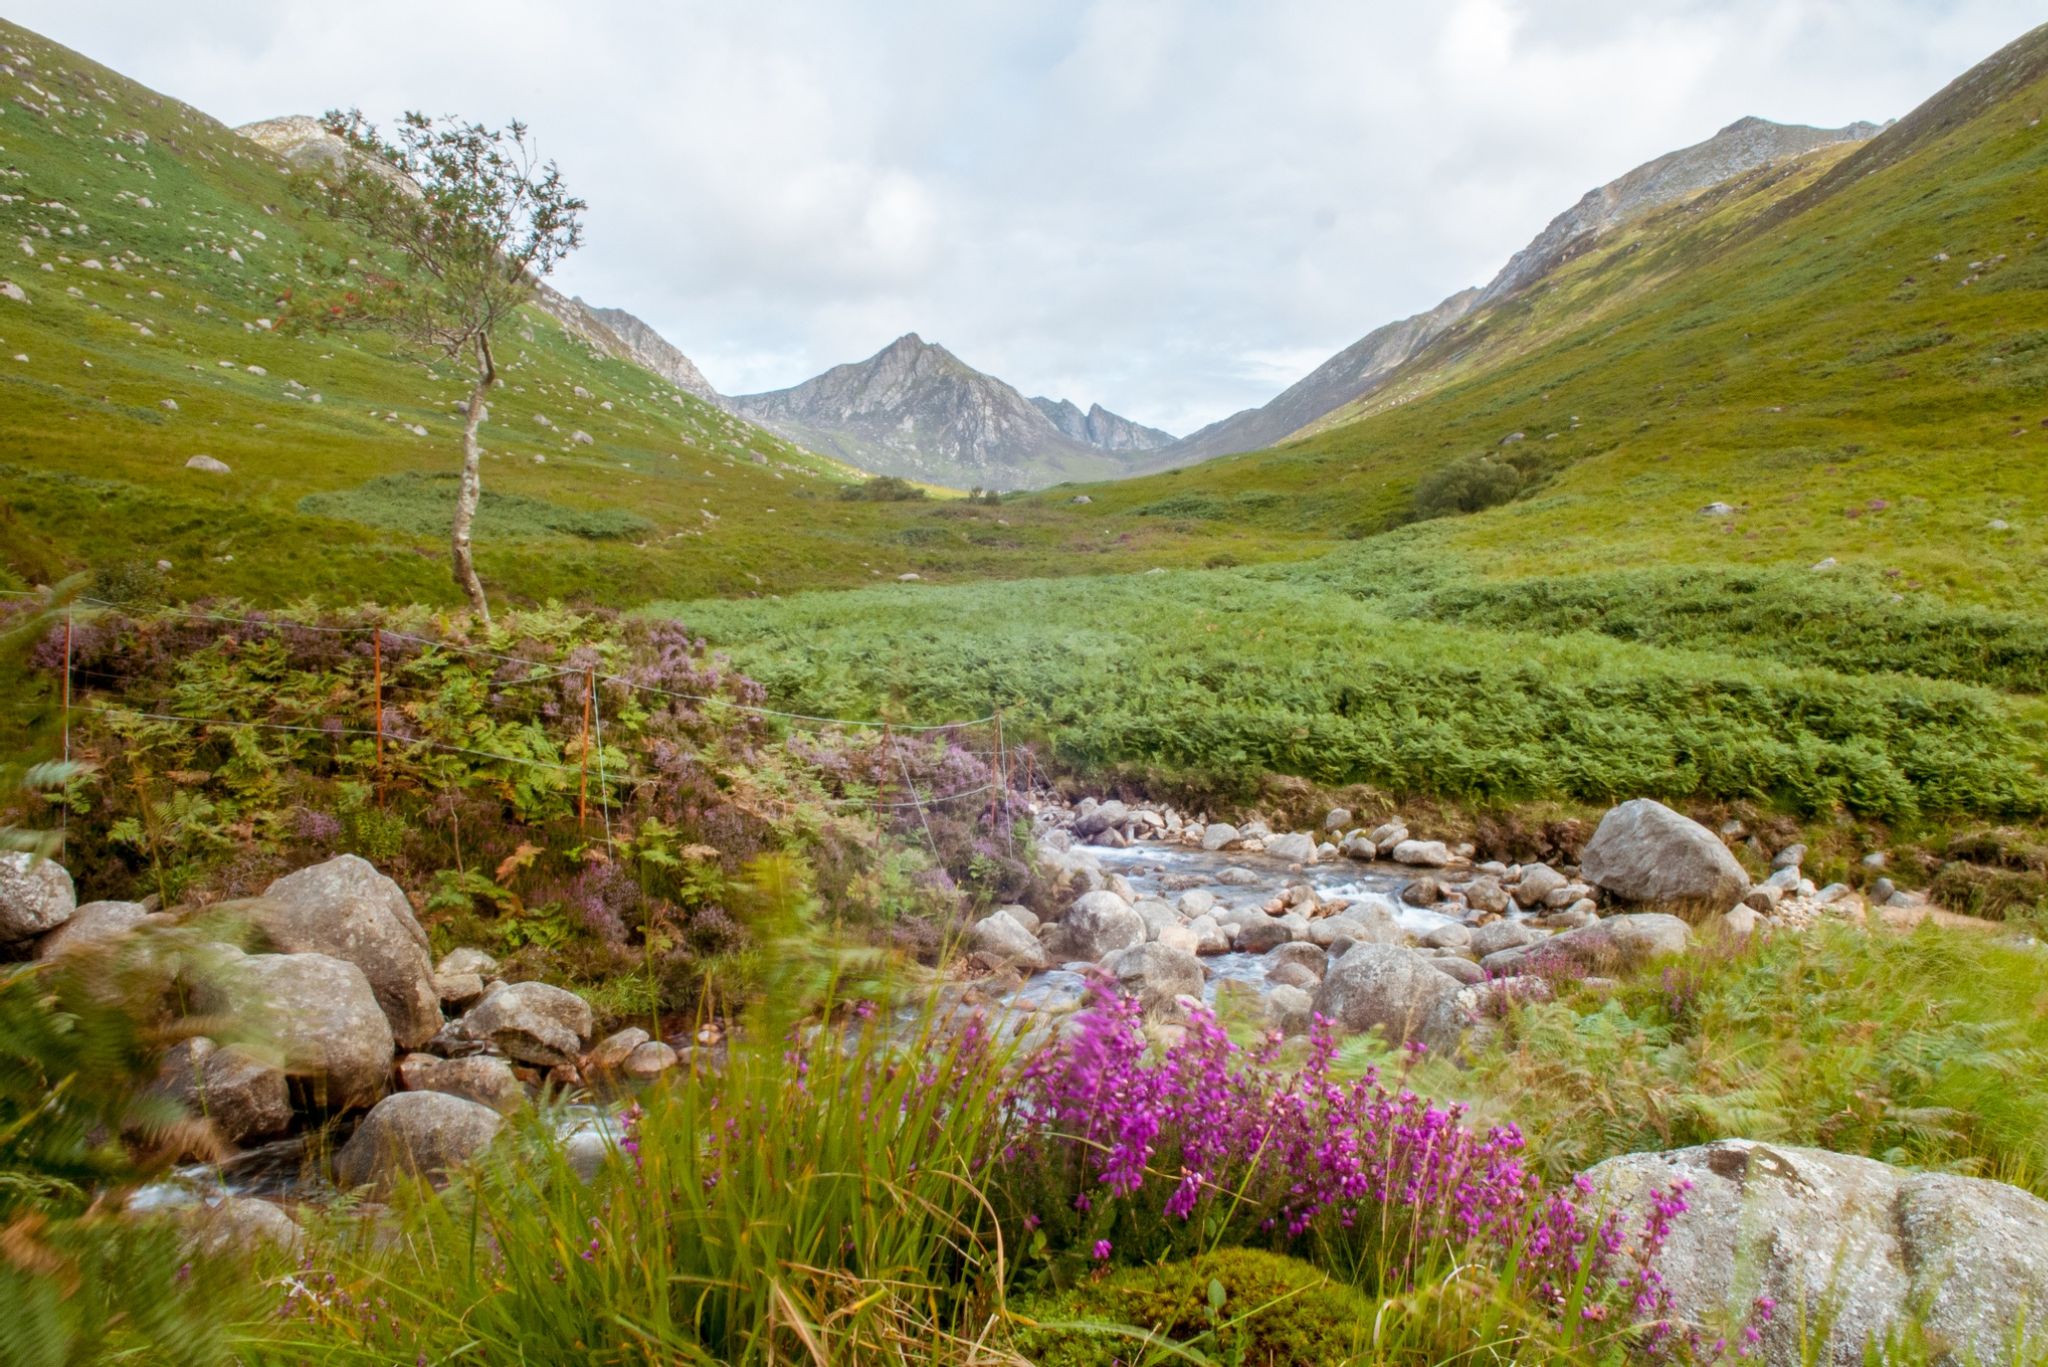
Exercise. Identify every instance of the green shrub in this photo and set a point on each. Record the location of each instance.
(881, 489)
(1236, 1305)
(1467, 485)
(424, 504)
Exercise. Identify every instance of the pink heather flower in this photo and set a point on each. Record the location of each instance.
(1101, 1250)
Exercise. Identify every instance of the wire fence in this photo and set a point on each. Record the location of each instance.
(1006, 765)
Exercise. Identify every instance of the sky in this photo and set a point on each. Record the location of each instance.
(1170, 207)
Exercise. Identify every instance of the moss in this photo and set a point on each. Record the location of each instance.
(1236, 1305)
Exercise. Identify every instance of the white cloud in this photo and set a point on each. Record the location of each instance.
(1173, 207)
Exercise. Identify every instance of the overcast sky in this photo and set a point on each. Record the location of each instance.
(1175, 209)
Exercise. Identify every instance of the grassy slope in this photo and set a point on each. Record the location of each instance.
(92, 466)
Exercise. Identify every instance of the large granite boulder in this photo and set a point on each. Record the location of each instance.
(483, 1078)
(1847, 1247)
(1394, 989)
(239, 1224)
(1098, 925)
(93, 927)
(346, 909)
(531, 1022)
(1645, 852)
(36, 896)
(1157, 973)
(317, 1012)
(1003, 938)
(414, 1134)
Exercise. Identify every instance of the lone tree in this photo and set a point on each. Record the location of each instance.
(477, 219)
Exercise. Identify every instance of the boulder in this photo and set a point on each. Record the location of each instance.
(36, 896)
(649, 1061)
(458, 991)
(1099, 819)
(1155, 974)
(1003, 939)
(1500, 935)
(1295, 849)
(483, 1078)
(1158, 916)
(1645, 852)
(1448, 936)
(318, 1012)
(1218, 835)
(1849, 1248)
(94, 926)
(1098, 925)
(414, 1134)
(1260, 933)
(1021, 914)
(1289, 1010)
(468, 961)
(236, 1089)
(239, 1224)
(1618, 944)
(346, 909)
(531, 1022)
(1486, 894)
(1367, 922)
(209, 465)
(610, 1052)
(1210, 937)
(1196, 902)
(1292, 975)
(1338, 819)
(1182, 938)
(1428, 854)
(1538, 881)
(1394, 989)
(1423, 892)
(1385, 837)
(1462, 971)
(1301, 952)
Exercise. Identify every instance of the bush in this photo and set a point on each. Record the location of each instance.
(1235, 1305)
(1467, 485)
(881, 489)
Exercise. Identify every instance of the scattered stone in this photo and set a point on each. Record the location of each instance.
(1097, 925)
(1004, 939)
(1157, 973)
(208, 465)
(1301, 952)
(1487, 895)
(1218, 835)
(531, 1022)
(36, 896)
(1022, 915)
(1423, 892)
(345, 908)
(1295, 849)
(1537, 882)
(1450, 936)
(649, 1061)
(468, 961)
(609, 1053)
(239, 1224)
(458, 991)
(237, 1089)
(93, 927)
(1492, 939)
(1616, 944)
(1289, 1010)
(319, 1012)
(1430, 854)
(414, 1134)
(1791, 857)
(1338, 819)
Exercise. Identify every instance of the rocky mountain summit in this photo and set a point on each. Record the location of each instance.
(1100, 428)
(1367, 364)
(652, 351)
(916, 410)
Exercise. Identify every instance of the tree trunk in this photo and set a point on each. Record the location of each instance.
(472, 487)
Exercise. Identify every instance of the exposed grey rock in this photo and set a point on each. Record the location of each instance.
(1537, 882)
(1022, 915)
(1338, 819)
(1430, 854)
(208, 465)
(1196, 902)
(239, 1090)
(1290, 1010)
(468, 961)
(36, 896)
(1616, 944)
(483, 1078)
(1292, 975)
(1493, 938)
(1645, 852)
(414, 1134)
(1218, 835)
(1210, 937)
(531, 1022)
(1100, 428)
(1365, 922)
(345, 908)
(458, 991)
(1001, 937)
(1097, 925)
(1257, 934)
(1486, 894)
(239, 1224)
(1302, 952)
(651, 351)
(649, 1061)
(1156, 915)
(1791, 857)
(1295, 848)
(1462, 971)
(1848, 1247)
(1155, 974)
(1448, 936)
(609, 1053)
(94, 926)
(1100, 818)
(319, 1013)
(1395, 990)
(1423, 892)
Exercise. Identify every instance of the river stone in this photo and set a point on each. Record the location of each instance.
(1295, 849)
(1098, 925)
(1258, 933)
(237, 1089)
(1182, 938)
(1210, 936)
(531, 1022)
(1448, 936)
(1196, 902)
(36, 896)
(1301, 952)
(1491, 939)
(1000, 937)
(1156, 915)
(458, 991)
(239, 1224)
(1385, 837)
(1463, 971)
(1423, 892)
(318, 1012)
(345, 908)
(649, 1061)
(1618, 944)
(1292, 975)
(1359, 847)
(1367, 921)
(608, 1053)
(1429, 854)
(1102, 818)
(1021, 914)
(1289, 1010)
(1394, 989)
(1218, 834)
(1537, 882)
(1486, 894)
(1645, 852)
(1847, 1245)
(413, 1134)
(468, 961)
(1338, 819)
(483, 1078)
(94, 926)
(1155, 974)
(1791, 857)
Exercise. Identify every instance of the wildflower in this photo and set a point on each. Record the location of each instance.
(1101, 1250)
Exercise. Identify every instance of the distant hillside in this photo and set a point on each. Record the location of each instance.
(916, 410)
(1100, 428)
(1361, 368)
(654, 352)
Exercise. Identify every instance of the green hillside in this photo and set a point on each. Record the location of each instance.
(153, 249)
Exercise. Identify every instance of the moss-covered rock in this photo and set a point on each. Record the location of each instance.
(1236, 1305)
